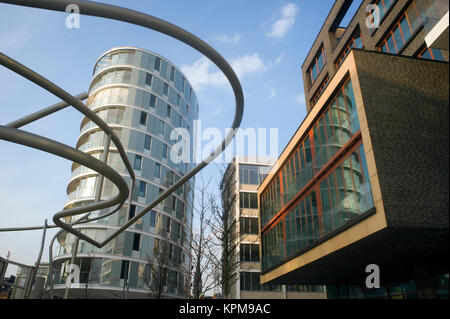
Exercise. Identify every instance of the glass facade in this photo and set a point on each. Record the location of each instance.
(355, 42)
(320, 187)
(405, 27)
(252, 174)
(320, 90)
(316, 66)
(143, 97)
(431, 54)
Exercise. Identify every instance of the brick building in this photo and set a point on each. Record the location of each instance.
(364, 180)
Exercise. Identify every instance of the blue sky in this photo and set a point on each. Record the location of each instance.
(265, 42)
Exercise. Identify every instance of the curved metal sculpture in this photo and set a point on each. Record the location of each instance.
(12, 133)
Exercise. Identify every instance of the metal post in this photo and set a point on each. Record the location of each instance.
(38, 262)
(72, 261)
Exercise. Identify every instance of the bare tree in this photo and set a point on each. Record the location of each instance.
(156, 273)
(202, 263)
(224, 252)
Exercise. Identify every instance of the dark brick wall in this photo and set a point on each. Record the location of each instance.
(406, 103)
(333, 48)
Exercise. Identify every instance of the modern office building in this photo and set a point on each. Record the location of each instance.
(364, 180)
(143, 97)
(240, 182)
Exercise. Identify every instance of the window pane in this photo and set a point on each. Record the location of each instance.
(320, 62)
(405, 29)
(391, 45)
(148, 79)
(152, 100)
(157, 170)
(413, 18)
(143, 118)
(137, 162)
(398, 38)
(136, 241)
(142, 189)
(147, 142)
(157, 63)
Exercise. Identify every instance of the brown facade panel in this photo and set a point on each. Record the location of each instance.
(406, 104)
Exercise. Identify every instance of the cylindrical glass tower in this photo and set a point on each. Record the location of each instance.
(143, 97)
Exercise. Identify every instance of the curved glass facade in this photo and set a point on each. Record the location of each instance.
(143, 97)
(322, 186)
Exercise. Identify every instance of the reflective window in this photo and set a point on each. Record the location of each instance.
(248, 200)
(249, 252)
(248, 225)
(148, 79)
(147, 142)
(331, 131)
(157, 170)
(152, 101)
(316, 66)
(143, 118)
(142, 188)
(137, 162)
(405, 27)
(250, 281)
(252, 174)
(157, 63)
(354, 42)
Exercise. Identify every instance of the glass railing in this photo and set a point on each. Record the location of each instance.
(436, 10)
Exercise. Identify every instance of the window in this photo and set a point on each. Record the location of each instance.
(148, 79)
(249, 252)
(132, 212)
(147, 142)
(383, 6)
(252, 174)
(320, 90)
(403, 29)
(166, 89)
(143, 118)
(354, 42)
(137, 162)
(316, 65)
(142, 188)
(248, 200)
(249, 225)
(152, 218)
(124, 269)
(165, 151)
(136, 241)
(169, 111)
(161, 126)
(172, 74)
(157, 170)
(178, 99)
(152, 101)
(431, 54)
(157, 63)
(250, 281)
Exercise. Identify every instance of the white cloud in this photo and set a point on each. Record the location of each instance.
(300, 99)
(272, 92)
(229, 39)
(203, 72)
(283, 24)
